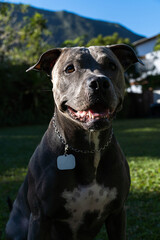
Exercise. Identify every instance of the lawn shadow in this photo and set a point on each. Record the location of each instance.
(18, 144)
(143, 216)
(139, 138)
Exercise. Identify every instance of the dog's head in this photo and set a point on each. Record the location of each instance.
(88, 83)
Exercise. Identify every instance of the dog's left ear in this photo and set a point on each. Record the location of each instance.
(125, 54)
(46, 61)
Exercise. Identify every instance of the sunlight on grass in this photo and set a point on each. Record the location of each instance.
(14, 174)
(139, 130)
(145, 174)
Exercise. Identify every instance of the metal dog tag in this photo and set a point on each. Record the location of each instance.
(66, 162)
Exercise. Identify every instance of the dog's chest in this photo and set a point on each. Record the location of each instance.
(83, 200)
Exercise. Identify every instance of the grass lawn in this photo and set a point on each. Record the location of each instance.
(140, 140)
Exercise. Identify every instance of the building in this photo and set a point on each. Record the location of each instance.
(145, 45)
(141, 88)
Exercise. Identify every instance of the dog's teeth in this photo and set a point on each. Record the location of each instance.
(86, 116)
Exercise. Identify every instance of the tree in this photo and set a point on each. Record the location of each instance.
(7, 34)
(98, 41)
(21, 95)
(31, 39)
(108, 40)
(25, 43)
(79, 41)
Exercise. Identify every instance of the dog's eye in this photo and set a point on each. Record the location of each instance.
(112, 66)
(70, 69)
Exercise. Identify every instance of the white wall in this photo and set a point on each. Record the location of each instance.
(146, 47)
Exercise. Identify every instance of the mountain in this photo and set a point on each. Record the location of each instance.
(66, 25)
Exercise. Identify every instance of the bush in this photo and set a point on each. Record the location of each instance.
(25, 97)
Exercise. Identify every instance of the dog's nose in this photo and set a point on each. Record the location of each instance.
(100, 83)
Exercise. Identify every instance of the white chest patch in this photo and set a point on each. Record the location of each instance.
(83, 199)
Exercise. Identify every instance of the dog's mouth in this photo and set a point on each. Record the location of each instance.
(94, 113)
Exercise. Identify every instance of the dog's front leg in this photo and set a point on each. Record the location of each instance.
(116, 226)
(35, 230)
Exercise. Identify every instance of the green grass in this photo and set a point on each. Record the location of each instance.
(139, 140)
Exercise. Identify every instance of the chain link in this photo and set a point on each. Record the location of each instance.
(75, 149)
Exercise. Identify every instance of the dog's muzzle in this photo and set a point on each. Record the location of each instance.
(97, 110)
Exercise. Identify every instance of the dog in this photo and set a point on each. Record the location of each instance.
(78, 178)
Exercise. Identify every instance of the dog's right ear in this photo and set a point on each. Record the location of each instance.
(46, 61)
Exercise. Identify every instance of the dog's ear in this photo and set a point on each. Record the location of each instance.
(125, 54)
(46, 61)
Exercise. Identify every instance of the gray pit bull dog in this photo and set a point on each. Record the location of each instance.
(78, 178)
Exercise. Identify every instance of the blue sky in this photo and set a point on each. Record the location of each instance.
(140, 16)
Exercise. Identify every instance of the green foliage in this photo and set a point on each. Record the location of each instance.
(25, 97)
(31, 39)
(79, 41)
(27, 43)
(140, 141)
(157, 46)
(7, 33)
(108, 40)
(98, 41)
